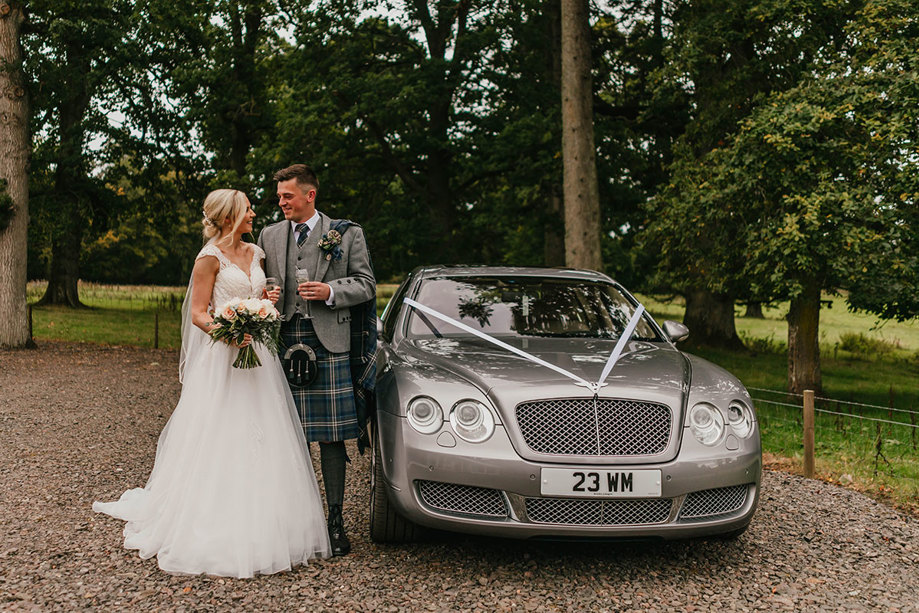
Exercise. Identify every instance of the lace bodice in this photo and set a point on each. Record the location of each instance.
(232, 281)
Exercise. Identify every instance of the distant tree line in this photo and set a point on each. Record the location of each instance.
(747, 151)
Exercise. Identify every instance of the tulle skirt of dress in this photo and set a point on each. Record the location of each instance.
(232, 491)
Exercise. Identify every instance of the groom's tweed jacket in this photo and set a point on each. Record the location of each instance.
(328, 408)
(351, 277)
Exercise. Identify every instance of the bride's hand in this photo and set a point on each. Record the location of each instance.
(274, 295)
(247, 340)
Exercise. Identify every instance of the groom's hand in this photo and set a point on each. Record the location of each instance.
(314, 290)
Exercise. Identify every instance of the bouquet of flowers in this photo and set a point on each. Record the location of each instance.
(239, 317)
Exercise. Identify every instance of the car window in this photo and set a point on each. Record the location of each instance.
(527, 306)
(391, 313)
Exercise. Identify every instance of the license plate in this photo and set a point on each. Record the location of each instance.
(593, 483)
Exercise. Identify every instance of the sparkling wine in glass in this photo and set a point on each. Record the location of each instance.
(303, 277)
(271, 284)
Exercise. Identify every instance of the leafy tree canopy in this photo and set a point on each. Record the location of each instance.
(821, 179)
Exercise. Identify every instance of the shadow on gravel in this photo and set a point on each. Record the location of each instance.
(649, 554)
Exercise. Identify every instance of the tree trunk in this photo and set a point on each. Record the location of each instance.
(64, 274)
(710, 319)
(755, 310)
(441, 201)
(581, 191)
(443, 28)
(64, 277)
(71, 216)
(803, 340)
(554, 228)
(245, 25)
(554, 232)
(657, 36)
(14, 160)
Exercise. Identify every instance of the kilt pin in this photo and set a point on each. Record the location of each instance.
(327, 406)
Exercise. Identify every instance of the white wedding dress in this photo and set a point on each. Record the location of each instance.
(232, 491)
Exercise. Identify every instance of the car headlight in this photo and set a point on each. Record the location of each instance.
(424, 414)
(472, 421)
(740, 416)
(706, 423)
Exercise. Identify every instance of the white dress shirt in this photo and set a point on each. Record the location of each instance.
(311, 223)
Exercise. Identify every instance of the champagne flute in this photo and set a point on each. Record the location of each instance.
(271, 284)
(303, 276)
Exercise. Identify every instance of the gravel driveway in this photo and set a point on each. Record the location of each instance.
(80, 422)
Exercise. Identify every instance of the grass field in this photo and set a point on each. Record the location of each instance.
(863, 361)
(117, 315)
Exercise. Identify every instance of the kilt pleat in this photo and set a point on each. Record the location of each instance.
(326, 407)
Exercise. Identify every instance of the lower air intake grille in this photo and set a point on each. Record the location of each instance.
(464, 499)
(575, 511)
(719, 501)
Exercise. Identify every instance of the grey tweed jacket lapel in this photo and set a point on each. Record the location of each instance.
(322, 263)
(279, 248)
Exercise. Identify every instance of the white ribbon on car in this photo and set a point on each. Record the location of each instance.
(594, 387)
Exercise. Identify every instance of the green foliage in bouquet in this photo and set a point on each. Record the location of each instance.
(251, 316)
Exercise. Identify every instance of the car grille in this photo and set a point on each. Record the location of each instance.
(718, 501)
(576, 511)
(605, 427)
(465, 499)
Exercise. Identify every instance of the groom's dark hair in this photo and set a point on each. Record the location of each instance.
(301, 172)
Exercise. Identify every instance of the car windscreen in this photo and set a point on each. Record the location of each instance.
(526, 306)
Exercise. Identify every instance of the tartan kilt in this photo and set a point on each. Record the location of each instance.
(326, 407)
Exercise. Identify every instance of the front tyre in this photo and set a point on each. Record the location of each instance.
(386, 525)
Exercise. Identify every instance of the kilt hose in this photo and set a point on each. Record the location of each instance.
(326, 407)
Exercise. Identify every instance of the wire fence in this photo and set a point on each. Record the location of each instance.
(152, 298)
(850, 440)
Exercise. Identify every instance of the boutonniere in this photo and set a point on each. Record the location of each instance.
(329, 243)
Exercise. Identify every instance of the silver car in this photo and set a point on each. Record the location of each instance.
(503, 409)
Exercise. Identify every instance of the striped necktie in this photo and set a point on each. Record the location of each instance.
(303, 229)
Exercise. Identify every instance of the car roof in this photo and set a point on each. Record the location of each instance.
(509, 271)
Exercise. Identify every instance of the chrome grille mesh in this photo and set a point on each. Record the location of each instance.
(576, 511)
(464, 499)
(719, 501)
(611, 427)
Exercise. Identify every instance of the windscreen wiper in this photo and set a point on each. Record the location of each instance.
(424, 319)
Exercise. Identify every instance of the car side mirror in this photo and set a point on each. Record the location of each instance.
(676, 331)
(379, 326)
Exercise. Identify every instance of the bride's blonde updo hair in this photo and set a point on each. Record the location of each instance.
(220, 205)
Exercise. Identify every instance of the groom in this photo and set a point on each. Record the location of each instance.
(340, 276)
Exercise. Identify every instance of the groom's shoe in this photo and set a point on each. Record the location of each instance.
(337, 538)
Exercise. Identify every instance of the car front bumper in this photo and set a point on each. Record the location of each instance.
(443, 482)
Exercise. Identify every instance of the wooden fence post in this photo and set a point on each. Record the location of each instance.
(912, 435)
(809, 433)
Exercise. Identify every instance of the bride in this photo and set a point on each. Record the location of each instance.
(232, 491)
